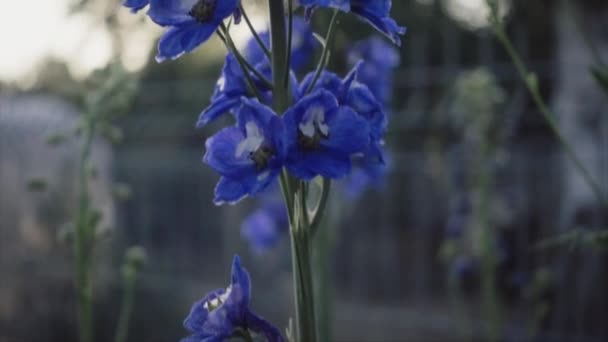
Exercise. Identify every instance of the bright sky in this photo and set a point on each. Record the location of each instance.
(31, 33)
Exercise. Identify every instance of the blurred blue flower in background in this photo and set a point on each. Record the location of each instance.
(191, 23)
(136, 5)
(225, 313)
(375, 12)
(379, 62)
(366, 175)
(250, 155)
(322, 136)
(302, 48)
(265, 227)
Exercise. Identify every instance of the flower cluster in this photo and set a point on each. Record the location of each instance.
(332, 123)
(225, 313)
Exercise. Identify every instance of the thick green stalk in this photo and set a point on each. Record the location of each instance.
(83, 238)
(303, 288)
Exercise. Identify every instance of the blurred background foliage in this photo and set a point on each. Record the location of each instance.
(469, 151)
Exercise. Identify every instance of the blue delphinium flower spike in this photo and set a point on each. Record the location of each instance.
(379, 61)
(375, 12)
(321, 136)
(265, 227)
(221, 313)
(135, 5)
(191, 23)
(250, 155)
(302, 48)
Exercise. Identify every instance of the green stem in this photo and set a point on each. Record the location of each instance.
(280, 66)
(532, 85)
(122, 331)
(296, 202)
(317, 215)
(244, 64)
(82, 242)
(302, 270)
(324, 55)
(254, 32)
(289, 41)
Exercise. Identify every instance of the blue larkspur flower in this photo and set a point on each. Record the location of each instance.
(265, 227)
(221, 313)
(136, 5)
(302, 47)
(248, 156)
(376, 72)
(190, 22)
(356, 96)
(375, 12)
(321, 136)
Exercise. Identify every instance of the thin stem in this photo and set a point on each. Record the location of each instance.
(300, 244)
(246, 66)
(278, 38)
(122, 331)
(317, 215)
(324, 55)
(532, 85)
(254, 32)
(289, 41)
(253, 90)
(82, 242)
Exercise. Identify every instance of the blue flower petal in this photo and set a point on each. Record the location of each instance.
(229, 191)
(181, 39)
(222, 105)
(383, 24)
(135, 5)
(170, 12)
(263, 328)
(220, 154)
(349, 133)
(307, 165)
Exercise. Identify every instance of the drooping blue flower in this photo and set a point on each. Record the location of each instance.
(375, 12)
(221, 313)
(379, 59)
(321, 136)
(135, 5)
(248, 156)
(230, 88)
(265, 227)
(302, 47)
(190, 22)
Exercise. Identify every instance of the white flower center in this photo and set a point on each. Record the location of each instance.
(314, 122)
(252, 142)
(216, 302)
